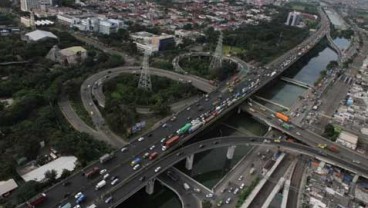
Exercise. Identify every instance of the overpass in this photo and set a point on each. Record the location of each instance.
(131, 185)
(225, 101)
(301, 134)
(297, 82)
(335, 48)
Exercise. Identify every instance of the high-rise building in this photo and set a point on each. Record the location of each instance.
(28, 5)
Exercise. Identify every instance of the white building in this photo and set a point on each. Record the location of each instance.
(39, 35)
(348, 139)
(28, 5)
(58, 165)
(7, 186)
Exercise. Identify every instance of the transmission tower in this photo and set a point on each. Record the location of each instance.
(145, 78)
(217, 57)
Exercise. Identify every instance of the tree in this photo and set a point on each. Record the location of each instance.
(51, 175)
(65, 173)
(206, 204)
(27, 191)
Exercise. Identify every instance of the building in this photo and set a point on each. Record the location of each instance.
(163, 42)
(38, 174)
(6, 187)
(28, 5)
(39, 35)
(72, 55)
(348, 139)
(293, 19)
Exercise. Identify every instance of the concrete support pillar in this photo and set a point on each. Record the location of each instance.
(230, 152)
(269, 128)
(355, 179)
(189, 162)
(150, 186)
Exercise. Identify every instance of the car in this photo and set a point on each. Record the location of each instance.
(109, 72)
(322, 146)
(215, 142)
(179, 153)
(149, 135)
(228, 200)
(236, 191)
(157, 169)
(277, 140)
(173, 118)
(106, 176)
(140, 139)
(197, 190)
(240, 178)
(114, 182)
(78, 195)
(356, 161)
(136, 167)
(201, 146)
(77, 206)
(108, 200)
(114, 177)
(242, 186)
(164, 125)
(209, 195)
(103, 171)
(297, 133)
(188, 108)
(230, 189)
(220, 203)
(146, 155)
(163, 140)
(142, 178)
(124, 149)
(152, 147)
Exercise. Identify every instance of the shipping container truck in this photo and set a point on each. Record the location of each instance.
(184, 129)
(37, 201)
(136, 161)
(282, 116)
(92, 172)
(195, 127)
(106, 157)
(100, 184)
(170, 142)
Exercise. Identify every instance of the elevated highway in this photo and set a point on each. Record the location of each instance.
(133, 184)
(120, 165)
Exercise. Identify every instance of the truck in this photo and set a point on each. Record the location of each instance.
(80, 199)
(170, 142)
(106, 157)
(137, 160)
(100, 184)
(282, 116)
(286, 126)
(184, 129)
(333, 148)
(195, 127)
(37, 201)
(153, 156)
(92, 172)
(67, 205)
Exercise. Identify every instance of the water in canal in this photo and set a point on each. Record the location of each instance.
(285, 93)
(210, 166)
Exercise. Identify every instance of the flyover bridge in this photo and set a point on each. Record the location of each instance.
(131, 184)
(120, 165)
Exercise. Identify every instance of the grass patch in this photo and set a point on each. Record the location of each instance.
(77, 105)
(246, 192)
(232, 50)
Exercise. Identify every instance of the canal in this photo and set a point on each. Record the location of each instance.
(210, 166)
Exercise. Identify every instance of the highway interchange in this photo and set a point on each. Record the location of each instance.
(119, 166)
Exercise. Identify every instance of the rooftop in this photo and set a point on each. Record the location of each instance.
(39, 35)
(6, 186)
